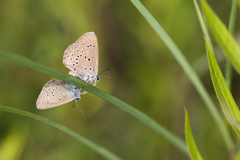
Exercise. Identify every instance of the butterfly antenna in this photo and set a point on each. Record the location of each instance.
(104, 71)
(78, 106)
(105, 76)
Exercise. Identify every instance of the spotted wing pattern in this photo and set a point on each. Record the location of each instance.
(56, 93)
(82, 58)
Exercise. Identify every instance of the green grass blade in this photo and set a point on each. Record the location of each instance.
(202, 22)
(179, 143)
(222, 36)
(232, 20)
(224, 95)
(192, 148)
(102, 151)
(231, 26)
(188, 70)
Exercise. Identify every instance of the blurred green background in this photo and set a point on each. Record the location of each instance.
(143, 74)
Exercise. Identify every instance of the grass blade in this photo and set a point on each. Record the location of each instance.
(102, 151)
(192, 148)
(188, 70)
(222, 36)
(202, 22)
(179, 143)
(224, 95)
(231, 26)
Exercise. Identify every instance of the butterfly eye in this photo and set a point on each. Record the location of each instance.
(98, 78)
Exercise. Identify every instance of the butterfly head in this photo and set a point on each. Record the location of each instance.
(77, 92)
(98, 78)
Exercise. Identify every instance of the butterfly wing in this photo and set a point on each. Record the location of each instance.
(89, 40)
(82, 57)
(56, 93)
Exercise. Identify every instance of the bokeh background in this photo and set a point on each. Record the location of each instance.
(143, 74)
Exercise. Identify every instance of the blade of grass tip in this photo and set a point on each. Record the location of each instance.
(223, 94)
(192, 148)
(179, 143)
(202, 22)
(188, 70)
(101, 150)
(222, 36)
(231, 26)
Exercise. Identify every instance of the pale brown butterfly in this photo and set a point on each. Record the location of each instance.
(82, 58)
(56, 93)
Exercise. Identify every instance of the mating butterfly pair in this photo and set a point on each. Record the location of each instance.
(82, 59)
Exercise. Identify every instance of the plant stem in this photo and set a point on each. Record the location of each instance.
(188, 70)
(102, 151)
(124, 106)
(231, 26)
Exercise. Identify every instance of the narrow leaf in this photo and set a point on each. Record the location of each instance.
(222, 36)
(192, 148)
(202, 22)
(224, 95)
(99, 149)
(179, 143)
(180, 58)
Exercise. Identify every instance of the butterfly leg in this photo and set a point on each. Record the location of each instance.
(84, 92)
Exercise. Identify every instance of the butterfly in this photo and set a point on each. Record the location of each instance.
(56, 93)
(82, 59)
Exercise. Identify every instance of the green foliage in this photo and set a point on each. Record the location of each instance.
(222, 36)
(104, 152)
(224, 95)
(129, 109)
(188, 70)
(142, 70)
(192, 148)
